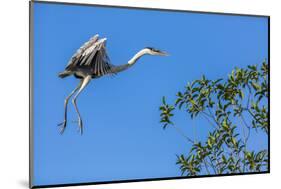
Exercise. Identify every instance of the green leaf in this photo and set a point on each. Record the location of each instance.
(164, 100)
(256, 86)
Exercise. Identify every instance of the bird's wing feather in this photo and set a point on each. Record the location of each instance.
(93, 55)
(78, 54)
(100, 62)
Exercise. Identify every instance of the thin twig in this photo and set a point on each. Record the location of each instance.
(248, 127)
(212, 165)
(183, 134)
(206, 166)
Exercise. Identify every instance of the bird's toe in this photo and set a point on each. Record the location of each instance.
(62, 126)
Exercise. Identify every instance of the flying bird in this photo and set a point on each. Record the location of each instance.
(91, 62)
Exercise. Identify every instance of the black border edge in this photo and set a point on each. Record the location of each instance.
(31, 49)
(150, 179)
(146, 8)
(268, 43)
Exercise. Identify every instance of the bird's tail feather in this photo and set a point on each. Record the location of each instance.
(65, 74)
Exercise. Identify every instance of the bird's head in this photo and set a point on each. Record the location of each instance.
(147, 51)
(157, 52)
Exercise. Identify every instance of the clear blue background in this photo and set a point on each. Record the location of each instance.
(123, 138)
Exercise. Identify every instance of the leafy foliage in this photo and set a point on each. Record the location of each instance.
(224, 104)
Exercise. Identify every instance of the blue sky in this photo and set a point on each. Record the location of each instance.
(123, 138)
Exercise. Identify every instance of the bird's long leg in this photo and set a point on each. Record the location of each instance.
(63, 124)
(85, 82)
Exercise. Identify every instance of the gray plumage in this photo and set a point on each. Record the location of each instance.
(91, 58)
(90, 62)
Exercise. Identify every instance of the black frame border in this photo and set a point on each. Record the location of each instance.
(31, 61)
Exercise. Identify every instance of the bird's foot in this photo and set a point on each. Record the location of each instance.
(62, 126)
(80, 126)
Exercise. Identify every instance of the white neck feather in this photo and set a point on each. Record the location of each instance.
(137, 56)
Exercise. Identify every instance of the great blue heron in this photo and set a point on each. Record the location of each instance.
(90, 62)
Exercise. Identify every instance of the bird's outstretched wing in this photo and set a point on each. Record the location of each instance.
(93, 55)
(78, 54)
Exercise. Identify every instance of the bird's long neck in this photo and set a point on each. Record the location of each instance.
(131, 62)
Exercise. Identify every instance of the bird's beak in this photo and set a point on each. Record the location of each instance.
(162, 53)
